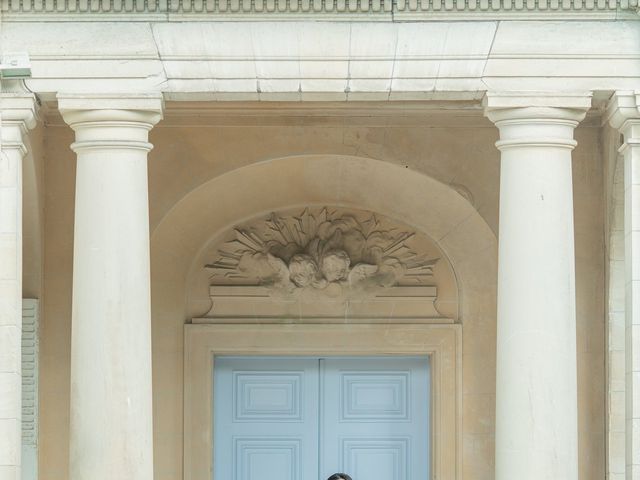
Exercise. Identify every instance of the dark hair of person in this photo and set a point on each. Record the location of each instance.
(339, 476)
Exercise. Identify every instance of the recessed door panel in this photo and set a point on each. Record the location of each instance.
(267, 457)
(374, 396)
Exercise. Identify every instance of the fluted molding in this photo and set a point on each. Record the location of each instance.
(50, 10)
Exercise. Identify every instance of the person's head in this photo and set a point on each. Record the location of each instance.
(339, 476)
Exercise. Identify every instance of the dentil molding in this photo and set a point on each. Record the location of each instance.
(366, 10)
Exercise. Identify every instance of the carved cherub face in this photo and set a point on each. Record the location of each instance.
(303, 271)
(335, 265)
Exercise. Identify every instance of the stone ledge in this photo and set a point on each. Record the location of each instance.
(254, 304)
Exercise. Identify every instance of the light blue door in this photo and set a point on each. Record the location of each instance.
(265, 418)
(375, 418)
(302, 418)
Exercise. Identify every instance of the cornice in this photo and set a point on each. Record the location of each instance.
(352, 10)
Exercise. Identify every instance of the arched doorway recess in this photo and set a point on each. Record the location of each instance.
(437, 210)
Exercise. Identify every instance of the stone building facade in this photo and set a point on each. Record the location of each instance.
(187, 182)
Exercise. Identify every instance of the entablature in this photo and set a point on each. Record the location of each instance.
(325, 61)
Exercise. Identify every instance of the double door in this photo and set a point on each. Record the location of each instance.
(305, 418)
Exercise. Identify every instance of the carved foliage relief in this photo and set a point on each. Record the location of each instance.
(322, 252)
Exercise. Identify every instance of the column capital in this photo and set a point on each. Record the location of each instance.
(111, 120)
(82, 107)
(19, 113)
(500, 106)
(623, 110)
(536, 119)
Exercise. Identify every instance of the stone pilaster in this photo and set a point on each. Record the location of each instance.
(18, 115)
(536, 378)
(623, 113)
(111, 420)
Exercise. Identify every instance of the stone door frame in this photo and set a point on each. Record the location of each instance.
(442, 343)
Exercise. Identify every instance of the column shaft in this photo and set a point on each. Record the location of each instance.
(111, 420)
(536, 378)
(18, 114)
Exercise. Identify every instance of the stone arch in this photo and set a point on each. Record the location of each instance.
(345, 181)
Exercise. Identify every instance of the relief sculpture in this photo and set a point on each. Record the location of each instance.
(321, 251)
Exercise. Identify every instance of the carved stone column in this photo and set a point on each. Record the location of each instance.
(18, 114)
(624, 114)
(111, 421)
(536, 379)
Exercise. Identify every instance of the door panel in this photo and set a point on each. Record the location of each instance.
(265, 418)
(301, 418)
(368, 458)
(375, 418)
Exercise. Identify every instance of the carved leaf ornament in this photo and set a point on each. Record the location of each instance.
(323, 251)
